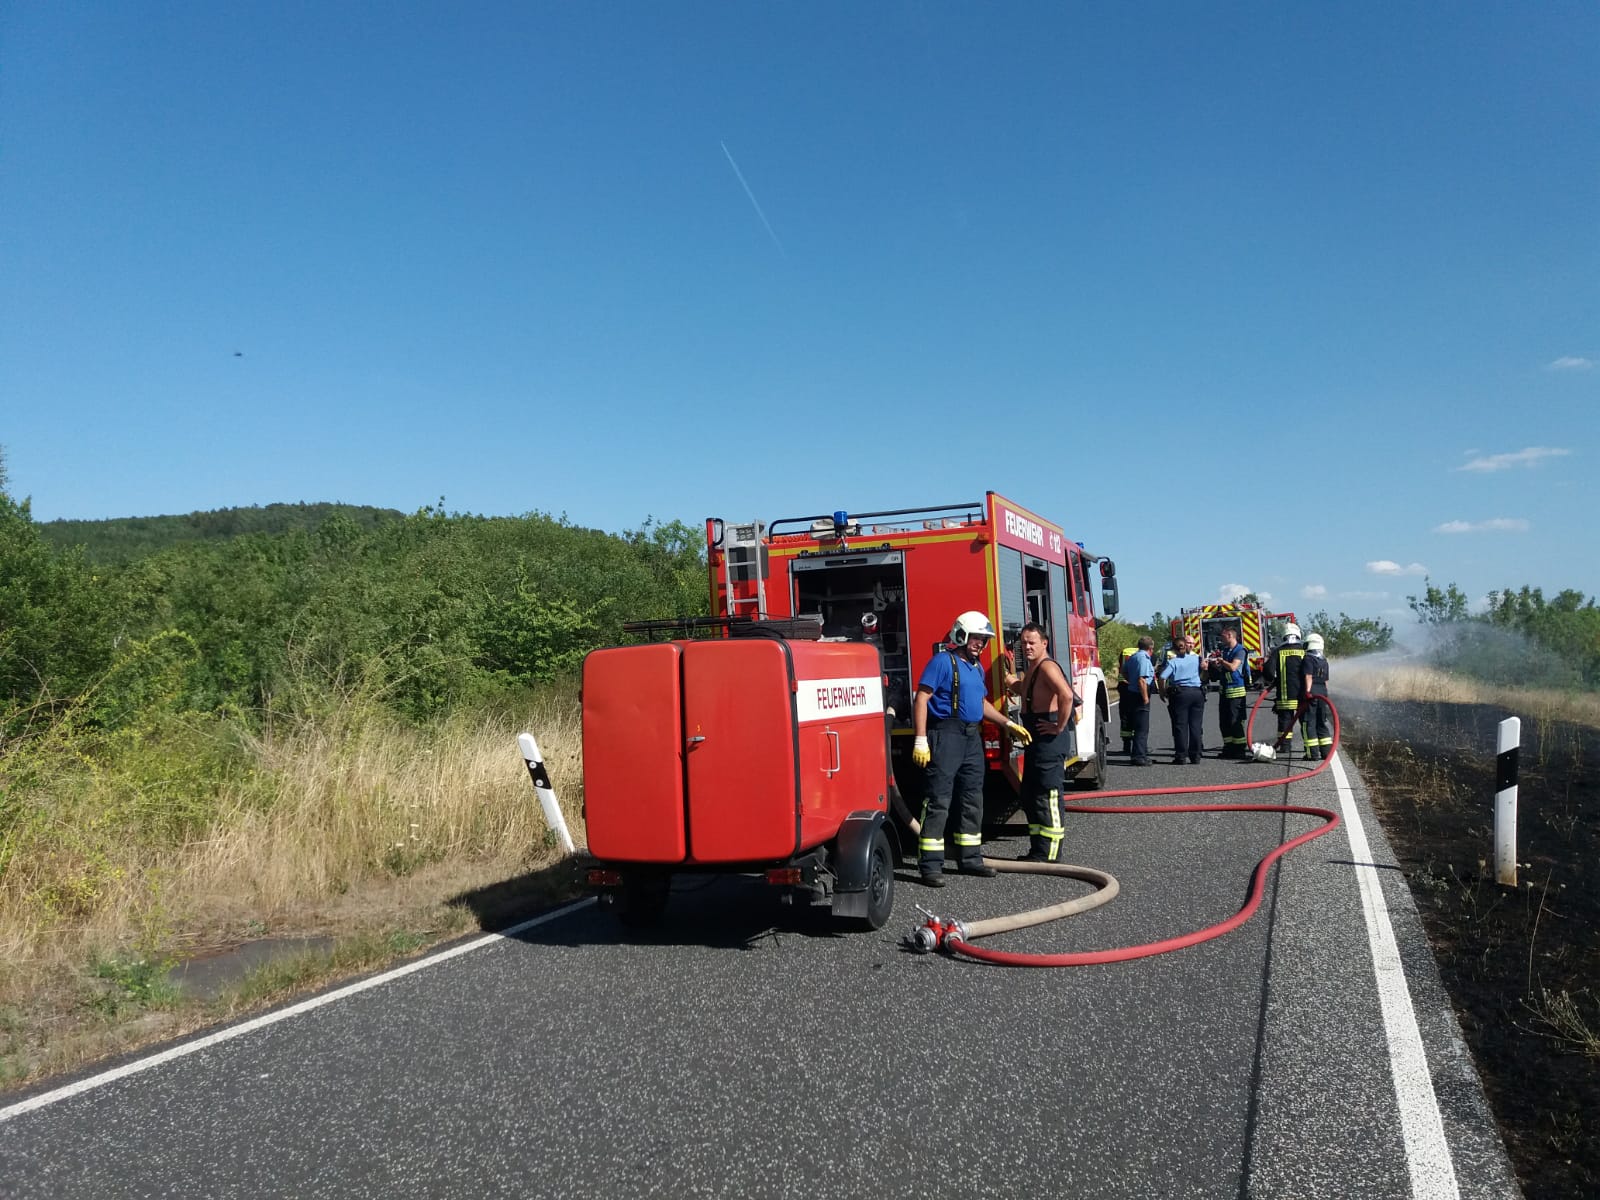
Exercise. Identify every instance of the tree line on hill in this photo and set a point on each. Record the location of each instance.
(122, 539)
(304, 603)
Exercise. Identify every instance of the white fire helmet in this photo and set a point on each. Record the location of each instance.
(970, 624)
(1262, 752)
(1314, 643)
(1291, 632)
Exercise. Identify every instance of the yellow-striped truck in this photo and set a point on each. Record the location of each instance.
(1257, 629)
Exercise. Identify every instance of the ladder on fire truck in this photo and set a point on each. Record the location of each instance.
(743, 544)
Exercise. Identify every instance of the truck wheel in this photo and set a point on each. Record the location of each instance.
(643, 898)
(1102, 752)
(880, 883)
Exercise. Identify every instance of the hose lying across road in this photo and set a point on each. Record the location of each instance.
(957, 937)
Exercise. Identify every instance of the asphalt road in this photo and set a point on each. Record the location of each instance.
(732, 1055)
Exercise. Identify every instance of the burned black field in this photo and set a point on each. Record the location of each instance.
(1522, 965)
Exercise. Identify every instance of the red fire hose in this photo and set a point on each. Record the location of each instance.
(957, 937)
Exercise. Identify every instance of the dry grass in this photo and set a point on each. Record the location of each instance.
(1563, 1017)
(1382, 677)
(353, 804)
(359, 827)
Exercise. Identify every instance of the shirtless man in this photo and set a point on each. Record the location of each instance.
(1049, 708)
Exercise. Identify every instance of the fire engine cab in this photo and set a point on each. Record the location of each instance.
(898, 579)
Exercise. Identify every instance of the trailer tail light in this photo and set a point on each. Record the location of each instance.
(784, 876)
(601, 877)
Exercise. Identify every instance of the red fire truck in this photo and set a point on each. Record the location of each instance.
(904, 575)
(1257, 629)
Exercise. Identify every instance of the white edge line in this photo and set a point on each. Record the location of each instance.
(1433, 1174)
(272, 1018)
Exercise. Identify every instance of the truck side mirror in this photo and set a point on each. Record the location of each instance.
(1108, 596)
(1108, 570)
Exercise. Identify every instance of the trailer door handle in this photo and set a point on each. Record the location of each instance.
(838, 760)
(691, 743)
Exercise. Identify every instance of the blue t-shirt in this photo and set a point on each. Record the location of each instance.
(1136, 668)
(1184, 671)
(1237, 661)
(936, 677)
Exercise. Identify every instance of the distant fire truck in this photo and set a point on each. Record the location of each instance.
(1257, 629)
(899, 578)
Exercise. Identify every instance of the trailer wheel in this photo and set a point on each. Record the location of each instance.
(643, 898)
(880, 882)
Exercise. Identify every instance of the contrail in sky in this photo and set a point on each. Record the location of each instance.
(754, 203)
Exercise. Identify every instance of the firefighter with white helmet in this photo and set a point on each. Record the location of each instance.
(951, 704)
(1285, 675)
(1316, 725)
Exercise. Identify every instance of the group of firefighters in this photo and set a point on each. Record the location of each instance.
(952, 702)
(1295, 671)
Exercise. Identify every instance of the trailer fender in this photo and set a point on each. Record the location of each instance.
(852, 861)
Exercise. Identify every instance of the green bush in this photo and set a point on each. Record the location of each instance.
(1114, 637)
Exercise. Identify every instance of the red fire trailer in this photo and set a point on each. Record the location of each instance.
(739, 754)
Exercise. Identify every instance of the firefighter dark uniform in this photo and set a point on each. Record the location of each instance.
(1230, 673)
(1043, 774)
(1316, 726)
(1285, 674)
(1125, 711)
(955, 771)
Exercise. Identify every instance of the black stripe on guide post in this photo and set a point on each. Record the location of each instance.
(541, 777)
(1505, 769)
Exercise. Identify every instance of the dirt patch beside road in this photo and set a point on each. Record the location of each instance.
(1522, 965)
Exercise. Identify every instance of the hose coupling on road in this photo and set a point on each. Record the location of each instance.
(934, 933)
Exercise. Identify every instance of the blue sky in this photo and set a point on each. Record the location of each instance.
(1294, 298)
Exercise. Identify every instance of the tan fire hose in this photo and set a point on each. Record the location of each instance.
(1106, 885)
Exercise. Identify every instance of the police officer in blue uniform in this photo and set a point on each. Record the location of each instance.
(1186, 701)
(951, 703)
(1125, 712)
(1138, 679)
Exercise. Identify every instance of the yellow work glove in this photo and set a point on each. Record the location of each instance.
(1020, 734)
(920, 755)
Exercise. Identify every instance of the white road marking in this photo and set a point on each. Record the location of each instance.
(1433, 1174)
(272, 1018)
